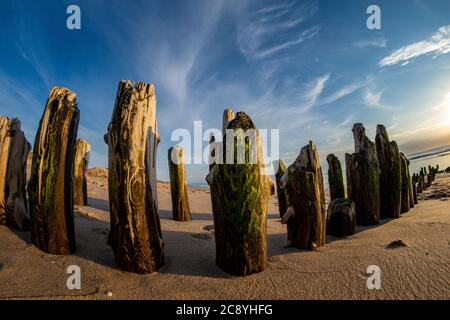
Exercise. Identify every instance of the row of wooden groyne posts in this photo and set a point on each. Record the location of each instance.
(378, 186)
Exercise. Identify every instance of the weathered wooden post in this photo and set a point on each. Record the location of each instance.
(178, 185)
(335, 178)
(363, 178)
(419, 183)
(410, 186)
(228, 116)
(414, 186)
(341, 218)
(50, 189)
(405, 204)
(240, 190)
(135, 234)
(5, 143)
(81, 164)
(305, 216)
(390, 174)
(281, 195)
(431, 173)
(14, 149)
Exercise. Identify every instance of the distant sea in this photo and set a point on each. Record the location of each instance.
(433, 157)
(200, 185)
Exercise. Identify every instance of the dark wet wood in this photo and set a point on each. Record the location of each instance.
(341, 218)
(281, 195)
(363, 178)
(390, 174)
(305, 216)
(50, 189)
(239, 194)
(335, 178)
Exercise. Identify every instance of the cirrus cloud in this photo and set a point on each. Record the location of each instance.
(437, 44)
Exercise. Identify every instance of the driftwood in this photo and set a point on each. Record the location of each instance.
(51, 182)
(178, 185)
(239, 194)
(405, 204)
(335, 178)
(363, 177)
(81, 163)
(135, 234)
(14, 149)
(341, 218)
(390, 174)
(281, 195)
(305, 216)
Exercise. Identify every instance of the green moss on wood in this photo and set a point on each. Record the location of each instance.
(51, 182)
(335, 178)
(239, 197)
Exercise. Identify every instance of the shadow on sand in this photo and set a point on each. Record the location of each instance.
(98, 204)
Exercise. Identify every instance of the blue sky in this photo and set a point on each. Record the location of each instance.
(309, 68)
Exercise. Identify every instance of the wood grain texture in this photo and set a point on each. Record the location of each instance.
(178, 185)
(228, 116)
(306, 214)
(390, 174)
(5, 144)
(363, 178)
(51, 182)
(81, 164)
(14, 149)
(135, 234)
(239, 194)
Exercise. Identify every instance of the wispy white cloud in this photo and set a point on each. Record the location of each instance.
(341, 93)
(30, 57)
(372, 99)
(305, 35)
(275, 28)
(315, 89)
(437, 44)
(380, 42)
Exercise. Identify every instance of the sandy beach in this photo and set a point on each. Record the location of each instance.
(418, 270)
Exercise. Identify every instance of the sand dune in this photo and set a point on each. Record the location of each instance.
(418, 270)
